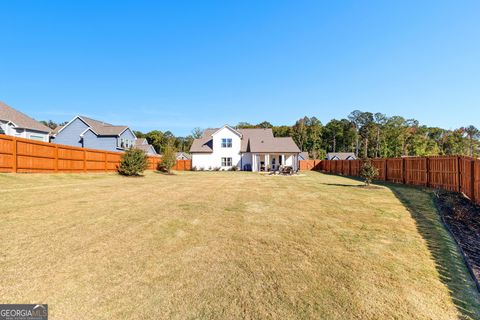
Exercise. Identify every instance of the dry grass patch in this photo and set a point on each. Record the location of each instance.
(227, 245)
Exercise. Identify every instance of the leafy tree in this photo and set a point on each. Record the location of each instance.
(282, 131)
(472, 133)
(168, 159)
(368, 172)
(52, 124)
(244, 125)
(264, 125)
(133, 163)
(197, 133)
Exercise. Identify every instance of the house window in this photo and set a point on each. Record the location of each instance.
(226, 162)
(226, 143)
(35, 137)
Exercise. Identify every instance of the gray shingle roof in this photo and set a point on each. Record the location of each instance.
(179, 155)
(141, 141)
(341, 155)
(253, 140)
(21, 120)
(303, 155)
(103, 128)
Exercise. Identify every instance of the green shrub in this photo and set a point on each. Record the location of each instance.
(169, 159)
(368, 172)
(133, 163)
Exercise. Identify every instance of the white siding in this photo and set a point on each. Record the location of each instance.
(10, 130)
(214, 160)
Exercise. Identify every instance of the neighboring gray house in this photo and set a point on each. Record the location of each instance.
(183, 156)
(303, 156)
(89, 133)
(16, 124)
(142, 144)
(341, 156)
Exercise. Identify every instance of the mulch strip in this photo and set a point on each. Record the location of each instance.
(462, 218)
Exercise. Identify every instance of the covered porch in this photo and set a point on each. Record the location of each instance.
(266, 162)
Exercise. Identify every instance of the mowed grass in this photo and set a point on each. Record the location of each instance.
(227, 245)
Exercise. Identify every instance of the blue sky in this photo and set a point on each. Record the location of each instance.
(183, 64)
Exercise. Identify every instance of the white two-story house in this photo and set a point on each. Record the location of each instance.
(246, 149)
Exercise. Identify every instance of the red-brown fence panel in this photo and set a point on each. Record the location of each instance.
(394, 170)
(467, 175)
(7, 158)
(355, 166)
(380, 165)
(476, 181)
(327, 166)
(346, 167)
(183, 165)
(308, 165)
(444, 173)
(416, 171)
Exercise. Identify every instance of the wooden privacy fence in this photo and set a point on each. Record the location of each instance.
(307, 165)
(23, 155)
(183, 165)
(453, 173)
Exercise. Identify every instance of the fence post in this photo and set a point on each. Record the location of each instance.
(84, 160)
(472, 179)
(384, 169)
(459, 177)
(404, 171)
(56, 158)
(14, 155)
(427, 169)
(105, 163)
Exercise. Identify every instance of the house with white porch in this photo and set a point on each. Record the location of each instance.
(247, 149)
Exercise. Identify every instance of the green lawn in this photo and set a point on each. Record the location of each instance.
(227, 245)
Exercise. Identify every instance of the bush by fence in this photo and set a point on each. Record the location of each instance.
(23, 155)
(454, 173)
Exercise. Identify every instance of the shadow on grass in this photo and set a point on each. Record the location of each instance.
(361, 186)
(165, 173)
(448, 260)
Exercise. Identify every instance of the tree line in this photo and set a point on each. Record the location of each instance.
(376, 135)
(366, 134)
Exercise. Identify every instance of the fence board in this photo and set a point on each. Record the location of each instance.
(416, 171)
(394, 170)
(380, 165)
(308, 165)
(476, 181)
(443, 173)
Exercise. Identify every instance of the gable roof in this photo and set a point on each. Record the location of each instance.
(146, 148)
(252, 140)
(237, 132)
(303, 156)
(100, 128)
(183, 154)
(341, 156)
(141, 141)
(21, 120)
